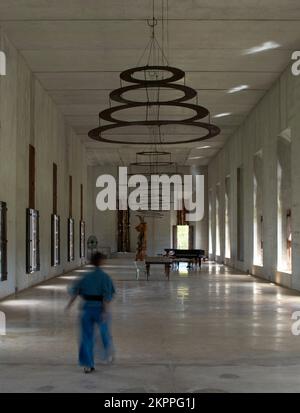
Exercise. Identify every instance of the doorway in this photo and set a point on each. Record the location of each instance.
(183, 237)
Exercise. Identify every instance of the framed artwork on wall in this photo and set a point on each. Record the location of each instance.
(71, 229)
(32, 241)
(82, 239)
(55, 240)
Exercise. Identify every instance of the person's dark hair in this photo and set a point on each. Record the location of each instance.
(97, 258)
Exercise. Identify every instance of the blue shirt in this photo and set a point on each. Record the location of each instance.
(96, 282)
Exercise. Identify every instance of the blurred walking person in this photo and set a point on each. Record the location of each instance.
(97, 291)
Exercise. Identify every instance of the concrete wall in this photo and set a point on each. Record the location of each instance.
(28, 116)
(278, 111)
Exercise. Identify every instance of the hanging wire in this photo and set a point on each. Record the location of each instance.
(152, 26)
(158, 99)
(162, 28)
(168, 45)
(150, 51)
(147, 97)
(164, 57)
(153, 8)
(144, 52)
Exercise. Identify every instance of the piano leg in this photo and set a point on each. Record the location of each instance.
(148, 271)
(167, 271)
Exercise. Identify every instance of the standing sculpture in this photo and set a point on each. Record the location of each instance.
(141, 250)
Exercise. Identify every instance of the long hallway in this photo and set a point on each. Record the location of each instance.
(213, 330)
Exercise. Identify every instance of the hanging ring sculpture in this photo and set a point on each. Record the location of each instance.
(153, 159)
(117, 95)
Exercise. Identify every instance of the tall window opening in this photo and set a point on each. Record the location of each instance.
(227, 218)
(284, 203)
(258, 243)
(240, 213)
(82, 226)
(55, 222)
(210, 241)
(71, 224)
(183, 237)
(218, 229)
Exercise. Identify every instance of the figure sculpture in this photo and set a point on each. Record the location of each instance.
(142, 240)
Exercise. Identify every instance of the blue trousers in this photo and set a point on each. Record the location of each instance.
(91, 317)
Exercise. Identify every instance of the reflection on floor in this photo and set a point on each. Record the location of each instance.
(213, 330)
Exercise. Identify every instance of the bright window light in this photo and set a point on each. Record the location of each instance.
(221, 115)
(203, 147)
(262, 47)
(238, 88)
(68, 277)
(87, 270)
(22, 303)
(52, 287)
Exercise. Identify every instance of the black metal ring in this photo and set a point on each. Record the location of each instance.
(106, 114)
(177, 74)
(150, 153)
(213, 130)
(116, 95)
(154, 164)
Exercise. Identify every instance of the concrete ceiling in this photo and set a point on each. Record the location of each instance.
(77, 49)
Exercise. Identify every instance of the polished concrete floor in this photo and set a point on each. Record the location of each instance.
(213, 330)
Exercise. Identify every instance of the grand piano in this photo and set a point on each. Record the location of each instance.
(191, 256)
